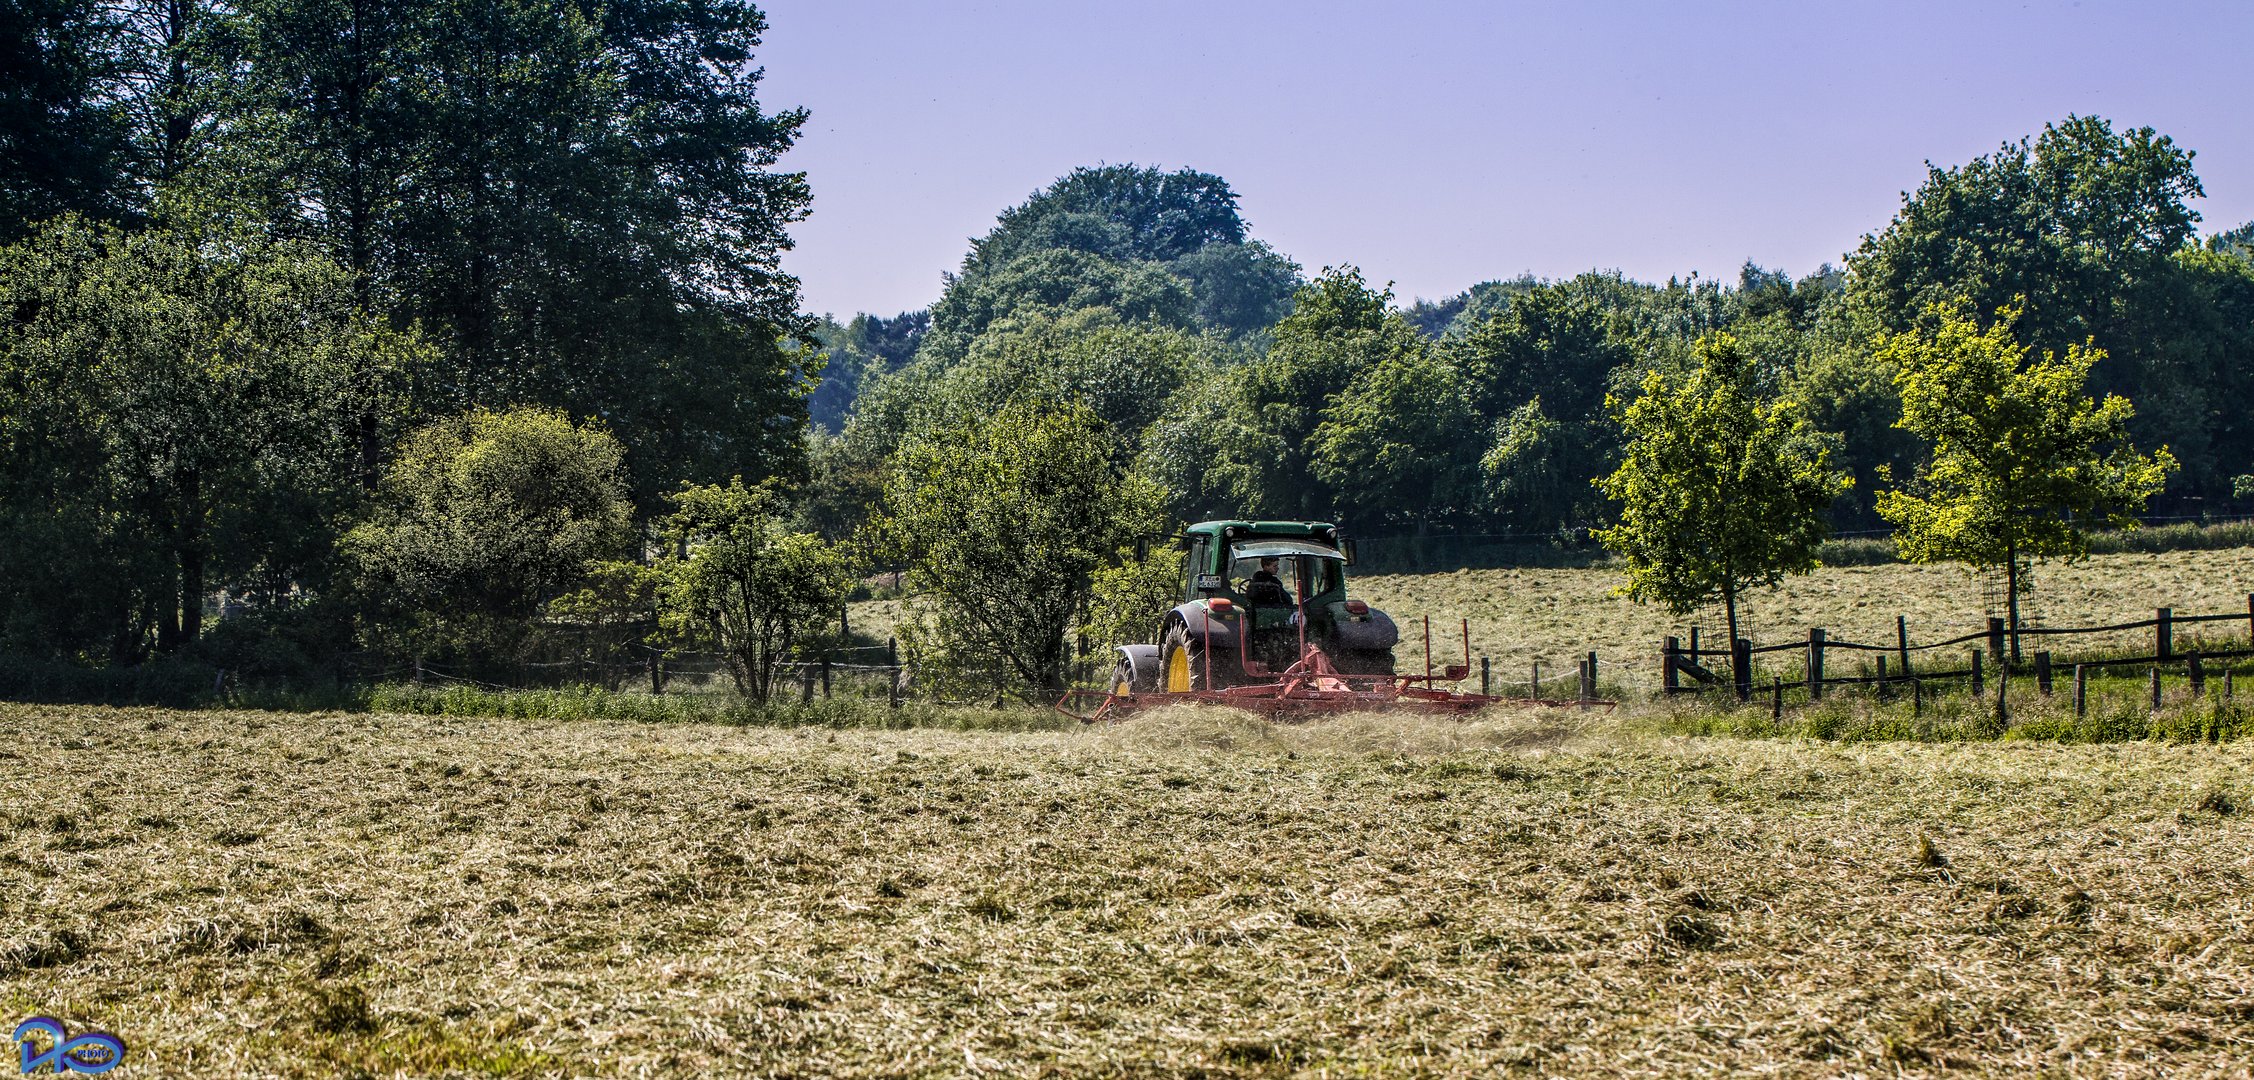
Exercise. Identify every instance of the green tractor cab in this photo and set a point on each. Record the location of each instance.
(1255, 596)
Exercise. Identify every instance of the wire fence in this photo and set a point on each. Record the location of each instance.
(1884, 667)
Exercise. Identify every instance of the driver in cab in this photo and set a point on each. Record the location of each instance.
(1265, 588)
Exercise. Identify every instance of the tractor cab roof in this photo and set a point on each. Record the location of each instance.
(1318, 531)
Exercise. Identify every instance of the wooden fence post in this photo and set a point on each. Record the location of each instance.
(1670, 680)
(1776, 697)
(825, 676)
(2043, 672)
(1815, 663)
(2081, 691)
(2164, 634)
(806, 684)
(1484, 684)
(1534, 683)
(1588, 681)
(1882, 676)
(1996, 639)
(2198, 676)
(1741, 668)
(1902, 643)
(1978, 684)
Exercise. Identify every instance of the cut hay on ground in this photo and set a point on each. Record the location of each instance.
(1192, 894)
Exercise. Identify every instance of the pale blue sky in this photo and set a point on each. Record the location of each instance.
(1439, 144)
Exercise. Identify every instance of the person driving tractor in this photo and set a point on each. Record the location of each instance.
(1265, 586)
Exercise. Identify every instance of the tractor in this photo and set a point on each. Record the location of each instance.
(1265, 624)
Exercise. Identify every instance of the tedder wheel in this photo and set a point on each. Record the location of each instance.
(1122, 678)
(1181, 661)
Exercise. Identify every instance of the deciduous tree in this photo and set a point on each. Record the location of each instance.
(748, 584)
(1002, 521)
(190, 404)
(481, 521)
(1720, 490)
(2024, 462)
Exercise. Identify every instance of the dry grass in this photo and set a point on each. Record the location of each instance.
(1193, 894)
(1521, 616)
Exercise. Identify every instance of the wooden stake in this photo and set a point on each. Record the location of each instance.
(1815, 663)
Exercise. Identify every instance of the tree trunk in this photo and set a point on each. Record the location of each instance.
(191, 592)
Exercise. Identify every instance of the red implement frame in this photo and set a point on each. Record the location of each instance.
(1312, 686)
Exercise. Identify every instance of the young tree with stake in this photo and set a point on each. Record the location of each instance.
(1721, 490)
(2024, 461)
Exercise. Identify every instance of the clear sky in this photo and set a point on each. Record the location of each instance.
(1440, 144)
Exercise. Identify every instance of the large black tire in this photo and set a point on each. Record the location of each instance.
(1181, 661)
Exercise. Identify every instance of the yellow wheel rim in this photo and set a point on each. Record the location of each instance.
(1178, 671)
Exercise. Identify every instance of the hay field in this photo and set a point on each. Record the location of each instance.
(1195, 894)
(1551, 615)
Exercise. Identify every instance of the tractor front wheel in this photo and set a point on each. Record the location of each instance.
(1181, 661)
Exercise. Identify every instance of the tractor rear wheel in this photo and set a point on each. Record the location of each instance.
(1181, 659)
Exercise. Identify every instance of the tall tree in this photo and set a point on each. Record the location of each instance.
(2024, 461)
(1537, 370)
(62, 132)
(1392, 446)
(2077, 230)
(577, 201)
(1720, 490)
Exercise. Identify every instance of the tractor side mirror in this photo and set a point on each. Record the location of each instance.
(1346, 548)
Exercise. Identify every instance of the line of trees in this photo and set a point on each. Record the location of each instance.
(1487, 412)
(1712, 433)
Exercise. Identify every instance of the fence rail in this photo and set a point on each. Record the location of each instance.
(1683, 670)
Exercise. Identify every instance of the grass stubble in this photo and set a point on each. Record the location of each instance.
(1194, 893)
